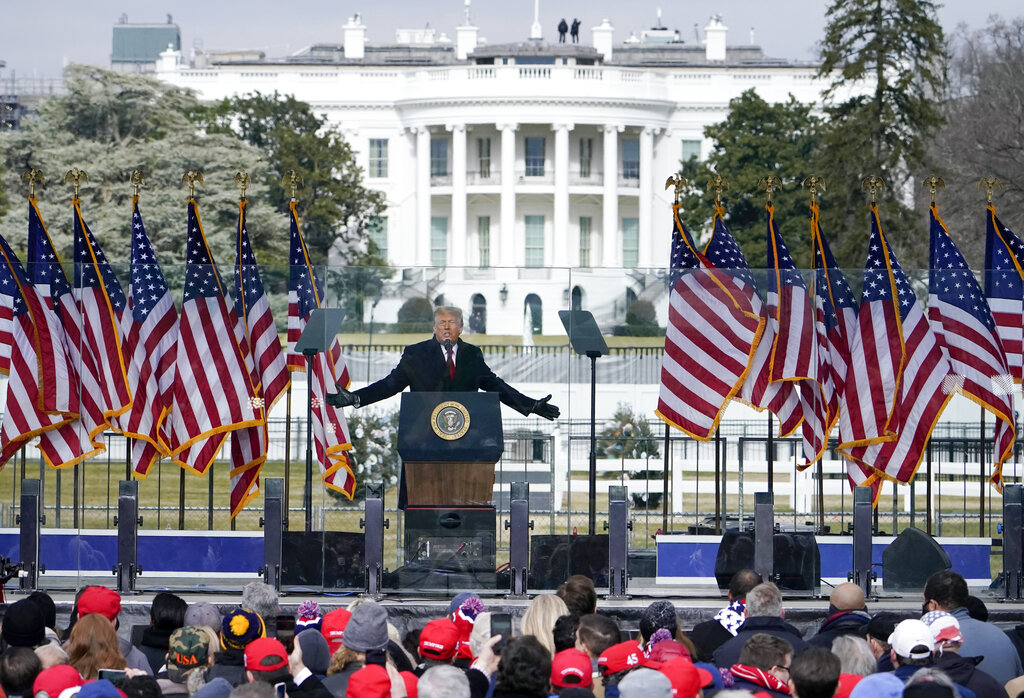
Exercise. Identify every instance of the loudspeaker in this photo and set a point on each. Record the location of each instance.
(797, 560)
(910, 559)
(327, 559)
(553, 559)
(450, 539)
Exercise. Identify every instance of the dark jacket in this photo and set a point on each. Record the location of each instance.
(729, 653)
(154, 645)
(903, 673)
(965, 671)
(310, 688)
(228, 665)
(708, 637)
(1016, 635)
(840, 623)
(337, 684)
(743, 685)
(422, 368)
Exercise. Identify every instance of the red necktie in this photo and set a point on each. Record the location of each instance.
(451, 364)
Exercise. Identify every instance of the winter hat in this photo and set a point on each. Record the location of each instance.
(215, 688)
(621, 657)
(645, 683)
(265, 654)
(102, 600)
(367, 629)
(332, 627)
(240, 627)
(46, 605)
(464, 617)
(945, 629)
(188, 649)
(686, 678)
(56, 680)
(308, 616)
(660, 614)
(23, 625)
(203, 614)
(571, 668)
(315, 653)
(99, 689)
(372, 681)
(909, 634)
(439, 639)
(884, 685)
(459, 599)
(664, 650)
(882, 625)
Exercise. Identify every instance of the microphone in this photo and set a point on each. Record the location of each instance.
(448, 345)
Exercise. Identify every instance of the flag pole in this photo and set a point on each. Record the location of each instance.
(292, 180)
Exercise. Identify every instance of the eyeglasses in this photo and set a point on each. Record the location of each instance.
(784, 668)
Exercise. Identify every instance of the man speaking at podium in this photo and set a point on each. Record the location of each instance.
(441, 364)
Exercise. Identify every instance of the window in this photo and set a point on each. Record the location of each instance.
(584, 241)
(483, 226)
(586, 156)
(535, 156)
(631, 158)
(483, 152)
(439, 241)
(534, 241)
(630, 242)
(378, 157)
(378, 230)
(438, 157)
(691, 149)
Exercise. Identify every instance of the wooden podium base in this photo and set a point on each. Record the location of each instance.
(449, 484)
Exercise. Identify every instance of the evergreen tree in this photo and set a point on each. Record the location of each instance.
(886, 63)
(757, 139)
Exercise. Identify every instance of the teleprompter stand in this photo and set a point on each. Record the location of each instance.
(320, 331)
(586, 339)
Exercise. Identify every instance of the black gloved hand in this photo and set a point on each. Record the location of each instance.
(342, 398)
(546, 410)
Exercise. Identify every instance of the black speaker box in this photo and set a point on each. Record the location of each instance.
(797, 561)
(453, 539)
(910, 559)
(322, 559)
(553, 559)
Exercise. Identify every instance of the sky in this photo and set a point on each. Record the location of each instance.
(37, 38)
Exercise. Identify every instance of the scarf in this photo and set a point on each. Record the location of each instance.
(732, 616)
(759, 677)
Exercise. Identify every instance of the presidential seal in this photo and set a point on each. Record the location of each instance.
(450, 420)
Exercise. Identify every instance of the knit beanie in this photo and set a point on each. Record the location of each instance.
(23, 625)
(309, 615)
(368, 628)
(660, 614)
(239, 628)
(315, 653)
(203, 614)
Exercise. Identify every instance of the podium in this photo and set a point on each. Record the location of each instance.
(449, 443)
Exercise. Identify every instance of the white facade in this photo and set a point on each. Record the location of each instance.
(547, 158)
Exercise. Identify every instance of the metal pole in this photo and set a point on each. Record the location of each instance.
(981, 474)
(181, 499)
(718, 482)
(928, 488)
(287, 448)
(771, 454)
(592, 520)
(821, 495)
(307, 495)
(664, 484)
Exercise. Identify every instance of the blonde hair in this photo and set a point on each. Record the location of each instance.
(93, 646)
(539, 619)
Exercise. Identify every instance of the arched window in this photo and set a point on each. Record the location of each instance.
(532, 308)
(577, 298)
(478, 314)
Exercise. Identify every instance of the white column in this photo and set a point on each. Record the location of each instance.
(508, 197)
(460, 235)
(423, 197)
(610, 256)
(646, 258)
(562, 242)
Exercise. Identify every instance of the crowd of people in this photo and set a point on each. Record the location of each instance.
(564, 647)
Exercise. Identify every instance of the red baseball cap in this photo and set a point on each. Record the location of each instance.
(411, 683)
(570, 667)
(102, 600)
(439, 639)
(372, 681)
(621, 657)
(56, 679)
(265, 654)
(332, 627)
(686, 678)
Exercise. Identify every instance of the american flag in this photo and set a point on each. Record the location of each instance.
(330, 431)
(836, 313)
(794, 352)
(265, 360)
(213, 391)
(713, 329)
(23, 419)
(923, 385)
(962, 322)
(757, 389)
(101, 303)
(1004, 272)
(150, 344)
(74, 442)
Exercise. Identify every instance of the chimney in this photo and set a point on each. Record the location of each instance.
(603, 39)
(355, 38)
(714, 39)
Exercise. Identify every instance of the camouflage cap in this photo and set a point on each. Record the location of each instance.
(189, 648)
